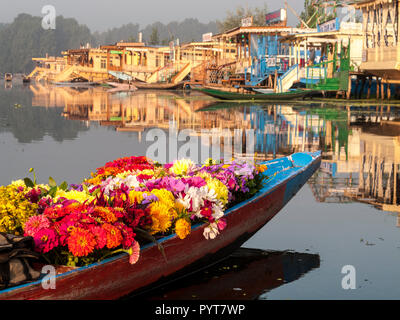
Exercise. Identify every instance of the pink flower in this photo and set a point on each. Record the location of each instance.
(100, 236)
(45, 240)
(221, 224)
(134, 253)
(35, 224)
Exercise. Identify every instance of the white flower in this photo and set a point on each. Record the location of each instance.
(132, 182)
(211, 231)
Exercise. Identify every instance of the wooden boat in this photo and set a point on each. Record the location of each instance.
(159, 86)
(226, 95)
(120, 87)
(115, 277)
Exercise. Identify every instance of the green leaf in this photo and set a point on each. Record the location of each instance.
(64, 186)
(53, 191)
(29, 183)
(52, 182)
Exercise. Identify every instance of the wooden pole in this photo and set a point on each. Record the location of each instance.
(377, 87)
(349, 89)
(389, 93)
(383, 90)
(369, 87)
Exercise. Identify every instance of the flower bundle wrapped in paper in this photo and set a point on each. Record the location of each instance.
(122, 201)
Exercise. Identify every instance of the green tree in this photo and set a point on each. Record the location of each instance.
(24, 39)
(154, 37)
(234, 18)
(318, 11)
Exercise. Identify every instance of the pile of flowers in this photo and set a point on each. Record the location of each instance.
(124, 204)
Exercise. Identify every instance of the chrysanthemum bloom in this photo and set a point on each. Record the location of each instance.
(182, 228)
(81, 242)
(35, 224)
(220, 189)
(164, 196)
(45, 240)
(182, 167)
(114, 236)
(162, 216)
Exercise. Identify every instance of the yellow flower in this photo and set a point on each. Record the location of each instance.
(79, 196)
(18, 183)
(209, 162)
(262, 168)
(164, 196)
(15, 210)
(182, 167)
(182, 228)
(220, 189)
(136, 196)
(161, 216)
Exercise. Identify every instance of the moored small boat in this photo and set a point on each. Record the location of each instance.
(159, 86)
(8, 77)
(227, 95)
(116, 277)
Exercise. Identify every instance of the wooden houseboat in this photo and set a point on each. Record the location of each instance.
(381, 48)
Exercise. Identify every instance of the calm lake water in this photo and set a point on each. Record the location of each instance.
(348, 213)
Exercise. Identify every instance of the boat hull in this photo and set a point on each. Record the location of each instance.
(158, 86)
(225, 95)
(115, 277)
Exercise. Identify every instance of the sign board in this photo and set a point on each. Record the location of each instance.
(364, 56)
(247, 22)
(275, 17)
(331, 25)
(207, 37)
(271, 62)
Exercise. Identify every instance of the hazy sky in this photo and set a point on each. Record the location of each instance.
(103, 14)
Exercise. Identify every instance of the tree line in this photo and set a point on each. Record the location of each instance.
(25, 38)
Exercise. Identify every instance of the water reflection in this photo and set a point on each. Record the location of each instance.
(360, 144)
(244, 275)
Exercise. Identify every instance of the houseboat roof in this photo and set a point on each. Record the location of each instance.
(327, 36)
(261, 30)
(366, 3)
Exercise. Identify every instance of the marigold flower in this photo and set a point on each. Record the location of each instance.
(182, 228)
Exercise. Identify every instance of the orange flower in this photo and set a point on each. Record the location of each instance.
(114, 236)
(182, 228)
(106, 214)
(81, 242)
